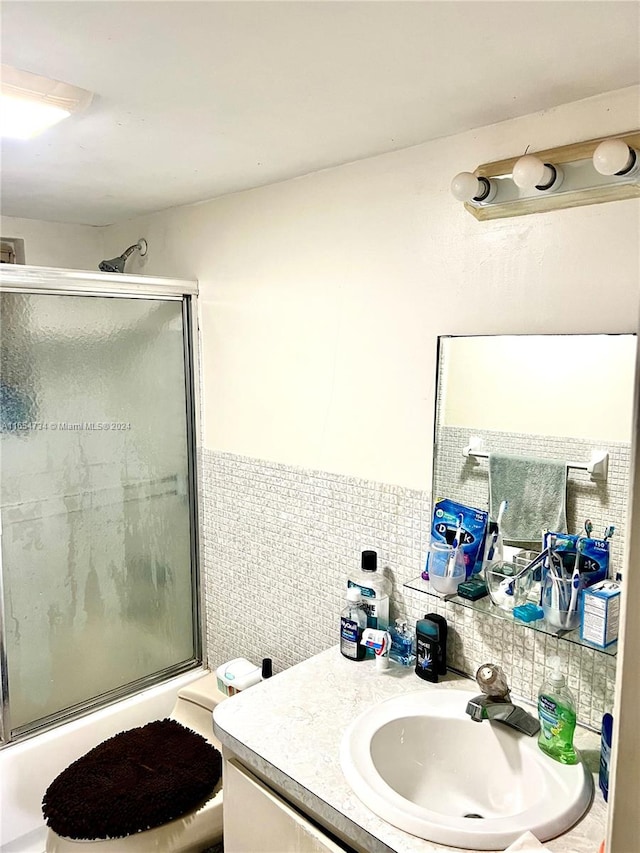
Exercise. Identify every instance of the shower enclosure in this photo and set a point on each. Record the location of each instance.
(99, 592)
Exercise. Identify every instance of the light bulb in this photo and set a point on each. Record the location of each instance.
(468, 187)
(465, 186)
(530, 172)
(614, 157)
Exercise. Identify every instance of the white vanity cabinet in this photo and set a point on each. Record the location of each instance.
(256, 820)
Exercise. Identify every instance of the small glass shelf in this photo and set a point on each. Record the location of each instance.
(486, 606)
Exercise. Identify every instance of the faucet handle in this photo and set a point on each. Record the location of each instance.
(493, 682)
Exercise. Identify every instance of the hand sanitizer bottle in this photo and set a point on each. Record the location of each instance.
(557, 713)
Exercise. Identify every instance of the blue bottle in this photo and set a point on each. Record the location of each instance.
(402, 643)
(605, 755)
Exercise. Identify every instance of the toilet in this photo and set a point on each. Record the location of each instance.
(193, 831)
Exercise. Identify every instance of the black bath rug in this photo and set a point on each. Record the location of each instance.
(134, 781)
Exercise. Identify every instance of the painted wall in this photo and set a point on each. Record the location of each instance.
(323, 296)
(624, 827)
(56, 244)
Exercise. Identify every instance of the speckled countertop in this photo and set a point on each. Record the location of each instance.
(288, 730)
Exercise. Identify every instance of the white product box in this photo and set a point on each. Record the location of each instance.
(600, 613)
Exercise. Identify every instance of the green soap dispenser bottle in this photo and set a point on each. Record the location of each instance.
(557, 713)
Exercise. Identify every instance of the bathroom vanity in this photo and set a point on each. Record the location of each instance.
(281, 743)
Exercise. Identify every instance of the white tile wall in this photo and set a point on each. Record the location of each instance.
(604, 503)
(278, 541)
(476, 638)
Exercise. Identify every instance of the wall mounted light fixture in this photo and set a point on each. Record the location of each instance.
(591, 172)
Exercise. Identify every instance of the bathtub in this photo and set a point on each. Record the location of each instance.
(27, 768)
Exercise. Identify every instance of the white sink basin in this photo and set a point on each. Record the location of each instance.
(420, 763)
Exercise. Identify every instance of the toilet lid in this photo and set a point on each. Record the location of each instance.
(137, 780)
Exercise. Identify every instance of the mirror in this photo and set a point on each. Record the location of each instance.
(553, 396)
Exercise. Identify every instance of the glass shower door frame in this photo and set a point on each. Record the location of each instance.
(60, 282)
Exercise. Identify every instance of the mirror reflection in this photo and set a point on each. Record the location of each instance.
(557, 397)
(540, 424)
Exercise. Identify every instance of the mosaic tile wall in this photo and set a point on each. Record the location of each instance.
(475, 638)
(278, 541)
(605, 503)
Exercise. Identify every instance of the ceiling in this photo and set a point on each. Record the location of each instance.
(197, 99)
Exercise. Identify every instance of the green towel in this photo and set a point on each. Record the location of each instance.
(537, 493)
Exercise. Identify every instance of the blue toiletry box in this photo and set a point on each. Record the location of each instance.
(474, 528)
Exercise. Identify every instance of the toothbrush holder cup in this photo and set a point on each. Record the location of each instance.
(443, 576)
(561, 612)
(508, 585)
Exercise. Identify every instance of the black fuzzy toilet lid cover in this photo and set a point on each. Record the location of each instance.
(137, 780)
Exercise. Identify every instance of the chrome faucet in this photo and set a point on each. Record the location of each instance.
(494, 703)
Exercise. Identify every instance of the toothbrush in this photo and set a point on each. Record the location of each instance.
(608, 532)
(588, 529)
(575, 586)
(451, 565)
(556, 591)
(575, 576)
(555, 588)
(507, 586)
(496, 532)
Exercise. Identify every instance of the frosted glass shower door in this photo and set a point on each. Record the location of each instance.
(95, 497)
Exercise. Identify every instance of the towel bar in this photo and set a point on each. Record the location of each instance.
(597, 466)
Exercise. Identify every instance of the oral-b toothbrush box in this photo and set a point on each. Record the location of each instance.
(593, 563)
(600, 616)
(474, 528)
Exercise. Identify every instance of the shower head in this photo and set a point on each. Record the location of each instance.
(117, 264)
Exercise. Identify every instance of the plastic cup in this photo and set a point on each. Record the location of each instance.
(442, 576)
(505, 591)
(556, 601)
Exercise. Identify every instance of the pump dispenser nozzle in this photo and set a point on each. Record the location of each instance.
(557, 676)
